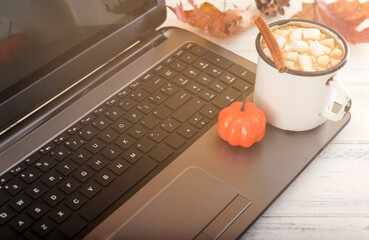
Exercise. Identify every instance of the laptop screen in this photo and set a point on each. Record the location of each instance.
(37, 36)
(45, 45)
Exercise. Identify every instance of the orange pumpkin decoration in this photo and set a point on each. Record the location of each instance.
(241, 124)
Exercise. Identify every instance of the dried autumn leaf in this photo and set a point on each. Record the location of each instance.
(343, 16)
(213, 21)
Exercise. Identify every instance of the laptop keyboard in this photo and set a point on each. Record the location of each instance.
(76, 180)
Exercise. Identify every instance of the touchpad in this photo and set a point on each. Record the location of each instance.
(182, 210)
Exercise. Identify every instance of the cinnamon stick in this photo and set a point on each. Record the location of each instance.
(275, 50)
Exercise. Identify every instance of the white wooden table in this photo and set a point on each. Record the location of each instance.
(330, 199)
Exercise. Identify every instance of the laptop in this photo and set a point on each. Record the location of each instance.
(109, 128)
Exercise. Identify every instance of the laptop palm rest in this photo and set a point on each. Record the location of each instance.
(192, 202)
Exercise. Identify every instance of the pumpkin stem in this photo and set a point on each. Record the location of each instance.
(244, 99)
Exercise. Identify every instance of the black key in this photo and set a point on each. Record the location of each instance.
(201, 64)
(83, 173)
(145, 145)
(169, 89)
(187, 110)
(169, 60)
(240, 85)
(132, 155)
(191, 72)
(137, 131)
(161, 152)
(204, 79)
(195, 119)
(194, 87)
(114, 113)
(45, 163)
(60, 153)
(158, 135)
(101, 122)
(187, 131)
(105, 177)
(59, 214)
(158, 68)
(150, 121)
(75, 201)
(198, 50)
(169, 125)
(178, 99)
(31, 159)
(20, 223)
(30, 175)
(5, 177)
(44, 227)
(118, 166)
(177, 65)
(226, 98)
(209, 111)
(5, 215)
(127, 103)
(157, 98)
(52, 178)
(207, 94)
(108, 135)
(242, 73)
(121, 125)
(116, 189)
(87, 119)
(217, 60)
(98, 162)
(135, 84)
(175, 141)
(99, 110)
(138, 95)
(88, 132)
(17, 169)
(67, 167)
(37, 209)
(153, 84)
(81, 156)
(53, 197)
(73, 226)
(47, 148)
(69, 185)
(181, 80)
(74, 142)
(73, 129)
(227, 78)
(213, 71)
(123, 93)
(14, 186)
(111, 101)
(36, 190)
(133, 116)
(3, 197)
(179, 53)
(20, 202)
(95, 145)
(162, 112)
(125, 142)
(111, 152)
(202, 123)
(167, 73)
(188, 58)
(146, 107)
(217, 86)
(90, 189)
(188, 46)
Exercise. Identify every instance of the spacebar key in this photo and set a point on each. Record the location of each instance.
(118, 188)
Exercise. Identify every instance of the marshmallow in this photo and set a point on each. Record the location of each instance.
(336, 53)
(304, 61)
(323, 60)
(326, 50)
(267, 52)
(328, 42)
(290, 65)
(307, 69)
(287, 48)
(282, 33)
(292, 56)
(311, 33)
(296, 34)
(299, 46)
(316, 49)
(280, 40)
(334, 62)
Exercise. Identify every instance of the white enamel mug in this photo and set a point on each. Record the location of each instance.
(296, 100)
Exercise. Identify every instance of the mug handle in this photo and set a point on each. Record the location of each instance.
(346, 96)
